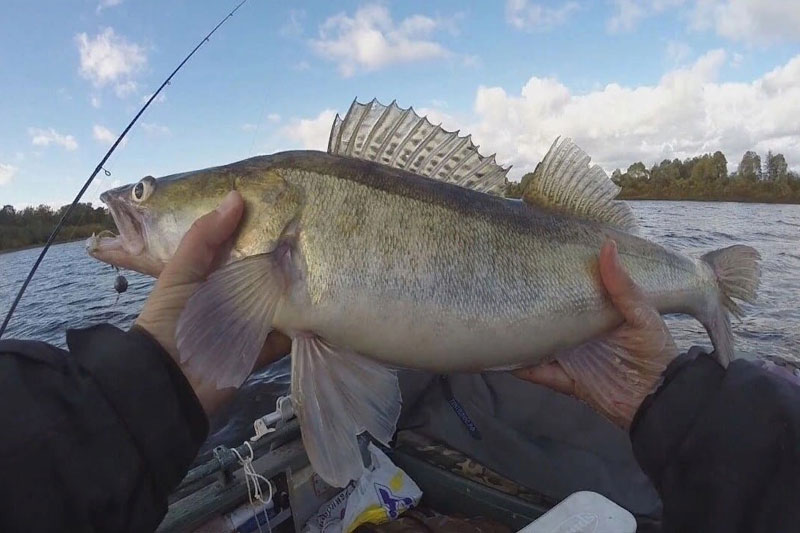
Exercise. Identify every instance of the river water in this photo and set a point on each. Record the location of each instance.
(71, 290)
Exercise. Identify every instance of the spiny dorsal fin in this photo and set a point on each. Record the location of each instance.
(402, 139)
(564, 181)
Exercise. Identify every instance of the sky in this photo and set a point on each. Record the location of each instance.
(628, 80)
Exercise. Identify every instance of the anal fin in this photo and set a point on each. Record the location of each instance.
(338, 394)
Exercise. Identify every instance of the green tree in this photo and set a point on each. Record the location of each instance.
(775, 167)
(31, 226)
(720, 165)
(750, 166)
(638, 171)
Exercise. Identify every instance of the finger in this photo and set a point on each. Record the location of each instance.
(623, 291)
(276, 346)
(199, 247)
(550, 375)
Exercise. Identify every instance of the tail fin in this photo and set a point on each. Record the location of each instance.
(737, 272)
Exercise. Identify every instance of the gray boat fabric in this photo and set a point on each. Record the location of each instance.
(538, 438)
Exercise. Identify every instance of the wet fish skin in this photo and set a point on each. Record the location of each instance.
(419, 273)
(368, 266)
(424, 274)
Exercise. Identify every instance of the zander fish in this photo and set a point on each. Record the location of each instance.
(396, 249)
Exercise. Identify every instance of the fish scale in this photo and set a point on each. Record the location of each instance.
(375, 255)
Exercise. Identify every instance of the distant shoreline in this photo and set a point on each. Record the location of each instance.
(720, 200)
(626, 198)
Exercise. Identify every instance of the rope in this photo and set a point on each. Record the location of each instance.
(250, 474)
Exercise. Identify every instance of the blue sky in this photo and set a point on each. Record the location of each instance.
(628, 80)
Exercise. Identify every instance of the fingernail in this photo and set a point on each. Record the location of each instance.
(614, 255)
(228, 203)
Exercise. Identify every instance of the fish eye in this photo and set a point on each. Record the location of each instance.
(142, 190)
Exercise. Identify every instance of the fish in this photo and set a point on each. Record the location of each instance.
(396, 248)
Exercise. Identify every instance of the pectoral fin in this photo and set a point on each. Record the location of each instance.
(226, 321)
(613, 378)
(338, 394)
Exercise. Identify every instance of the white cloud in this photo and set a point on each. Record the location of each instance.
(526, 15)
(294, 26)
(312, 133)
(107, 3)
(273, 118)
(249, 127)
(125, 89)
(688, 112)
(628, 13)
(102, 134)
(677, 52)
(155, 129)
(753, 21)
(471, 61)
(108, 58)
(160, 99)
(370, 39)
(7, 173)
(46, 137)
(95, 101)
(448, 121)
(301, 66)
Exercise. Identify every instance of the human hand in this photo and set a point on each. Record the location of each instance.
(202, 249)
(643, 336)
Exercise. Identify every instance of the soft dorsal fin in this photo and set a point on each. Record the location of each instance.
(402, 139)
(565, 181)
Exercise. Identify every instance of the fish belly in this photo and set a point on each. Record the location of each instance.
(426, 284)
(404, 335)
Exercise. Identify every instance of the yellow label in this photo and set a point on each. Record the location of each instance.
(396, 483)
(374, 514)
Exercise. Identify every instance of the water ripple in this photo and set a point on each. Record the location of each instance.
(72, 290)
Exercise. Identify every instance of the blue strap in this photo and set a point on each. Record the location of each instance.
(458, 408)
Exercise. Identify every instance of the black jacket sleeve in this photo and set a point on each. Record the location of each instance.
(94, 439)
(722, 447)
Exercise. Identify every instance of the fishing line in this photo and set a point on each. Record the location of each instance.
(102, 162)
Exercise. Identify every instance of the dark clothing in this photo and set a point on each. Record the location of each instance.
(94, 440)
(722, 447)
(548, 442)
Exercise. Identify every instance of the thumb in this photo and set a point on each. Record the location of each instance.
(624, 293)
(550, 375)
(199, 247)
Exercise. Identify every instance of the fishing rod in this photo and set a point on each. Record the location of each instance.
(102, 162)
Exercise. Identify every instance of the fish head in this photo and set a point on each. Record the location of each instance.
(152, 216)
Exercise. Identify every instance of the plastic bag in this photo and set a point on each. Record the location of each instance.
(383, 493)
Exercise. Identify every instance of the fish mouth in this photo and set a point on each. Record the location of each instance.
(126, 249)
(128, 223)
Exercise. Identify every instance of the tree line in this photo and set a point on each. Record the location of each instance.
(703, 177)
(32, 226)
